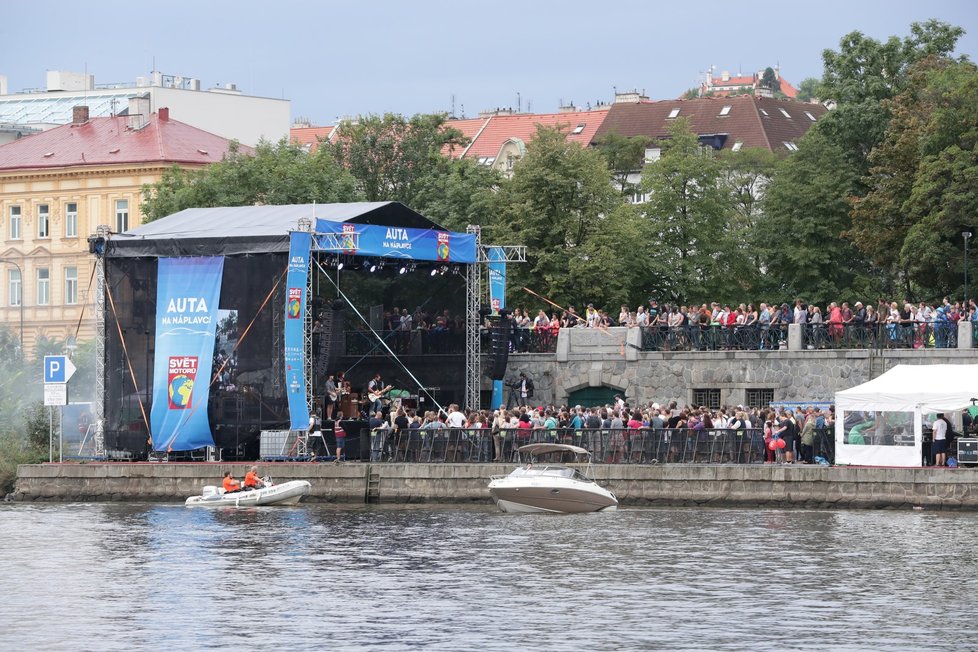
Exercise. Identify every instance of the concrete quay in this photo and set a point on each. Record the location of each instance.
(635, 485)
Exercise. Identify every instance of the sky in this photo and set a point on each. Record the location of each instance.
(340, 59)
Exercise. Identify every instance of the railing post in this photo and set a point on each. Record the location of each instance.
(965, 334)
(795, 339)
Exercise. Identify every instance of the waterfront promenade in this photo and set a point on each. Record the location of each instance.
(808, 486)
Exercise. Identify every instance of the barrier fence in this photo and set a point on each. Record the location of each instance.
(607, 446)
(937, 335)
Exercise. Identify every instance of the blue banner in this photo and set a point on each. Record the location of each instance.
(295, 320)
(497, 299)
(398, 242)
(187, 295)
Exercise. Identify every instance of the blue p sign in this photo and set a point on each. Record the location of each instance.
(56, 369)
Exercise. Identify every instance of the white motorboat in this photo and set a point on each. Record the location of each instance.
(554, 488)
(287, 493)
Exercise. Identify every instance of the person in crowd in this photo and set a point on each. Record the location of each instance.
(939, 441)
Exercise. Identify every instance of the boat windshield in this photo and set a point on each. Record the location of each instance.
(550, 471)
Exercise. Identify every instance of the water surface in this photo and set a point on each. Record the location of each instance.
(141, 576)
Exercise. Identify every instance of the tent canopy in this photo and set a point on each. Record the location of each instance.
(907, 388)
(230, 230)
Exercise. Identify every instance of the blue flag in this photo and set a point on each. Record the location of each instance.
(187, 296)
(497, 299)
(295, 320)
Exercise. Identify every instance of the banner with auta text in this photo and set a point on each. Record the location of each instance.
(300, 243)
(187, 296)
(497, 300)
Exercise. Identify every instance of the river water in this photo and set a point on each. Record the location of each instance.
(141, 576)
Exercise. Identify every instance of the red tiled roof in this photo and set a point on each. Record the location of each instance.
(501, 128)
(470, 128)
(745, 80)
(109, 141)
(788, 89)
(746, 121)
(310, 136)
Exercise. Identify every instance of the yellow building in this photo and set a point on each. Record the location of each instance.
(56, 187)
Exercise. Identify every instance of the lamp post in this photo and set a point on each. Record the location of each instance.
(21, 297)
(967, 236)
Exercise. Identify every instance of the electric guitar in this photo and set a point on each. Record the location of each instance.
(374, 396)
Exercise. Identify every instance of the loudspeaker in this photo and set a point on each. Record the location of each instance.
(499, 347)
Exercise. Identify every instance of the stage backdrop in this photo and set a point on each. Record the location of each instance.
(400, 242)
(295, 320)
(187, 296)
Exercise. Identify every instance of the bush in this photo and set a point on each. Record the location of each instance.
(15, 450)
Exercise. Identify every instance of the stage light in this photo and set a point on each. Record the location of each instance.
(339, 264)
(402, 270)
(456, 269)
(372, 266)
(434, 271)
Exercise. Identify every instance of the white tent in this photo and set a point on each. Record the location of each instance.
(880, 423)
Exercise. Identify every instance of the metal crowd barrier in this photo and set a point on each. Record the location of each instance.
(607, 446)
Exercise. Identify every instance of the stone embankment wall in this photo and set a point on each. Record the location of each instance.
(613, 358)
(721, 485)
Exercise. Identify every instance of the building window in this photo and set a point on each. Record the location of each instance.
(15, 287)
(725, 110)
(121, 215)
(71, 220)
(43, 286)
(759, 398)
(791, 146)
(810, 116)
(15, 219)
(43, 222)
(652, 154)
(708, 398)
(71, 286)
(784, 113)
(673, 114)
(736, 146)
(763, 112)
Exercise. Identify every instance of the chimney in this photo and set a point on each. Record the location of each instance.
(164, 114)
(79, 115)
(138, 112)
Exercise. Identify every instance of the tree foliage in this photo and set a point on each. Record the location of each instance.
(808, 89)
(554, 204)
(806, 213)
(689, 210)
(283, 173)
(624, 155)
(769, 80)
(923, 178)
(391, 156)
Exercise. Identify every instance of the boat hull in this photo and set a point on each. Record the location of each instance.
(287, 493)
(554, 500)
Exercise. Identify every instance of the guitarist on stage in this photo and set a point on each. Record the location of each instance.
(375, 390)
(332, 396)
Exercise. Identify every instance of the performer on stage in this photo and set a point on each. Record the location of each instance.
(332, 396)
(375, 390)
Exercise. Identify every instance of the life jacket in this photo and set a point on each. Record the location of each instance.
(251, 479)
(230, 484)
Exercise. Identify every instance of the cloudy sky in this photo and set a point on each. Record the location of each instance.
(335, 59)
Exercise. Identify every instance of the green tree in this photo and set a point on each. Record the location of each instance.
(457, 193)
(554, 204)
(770, 80)
(808, 89)
(806, 213)
(283, 173)
(864, 73)
(624, 156)
(392, 157)
(921, 186)
(689, 211)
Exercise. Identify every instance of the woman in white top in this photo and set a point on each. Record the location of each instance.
(541, 321)
(641, 317)
(499, 425)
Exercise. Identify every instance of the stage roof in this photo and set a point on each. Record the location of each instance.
(236, 230)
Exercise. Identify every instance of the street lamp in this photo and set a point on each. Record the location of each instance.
(967, 236)
(21, 297)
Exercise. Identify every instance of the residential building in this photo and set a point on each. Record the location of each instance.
(725, 84)
(57, 186)
(722, 123)
(222, 110)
